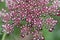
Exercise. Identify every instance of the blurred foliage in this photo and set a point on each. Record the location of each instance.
(55, 35)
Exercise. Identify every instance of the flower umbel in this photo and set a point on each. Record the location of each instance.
(36, 13)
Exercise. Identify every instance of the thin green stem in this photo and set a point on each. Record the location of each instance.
(3, 37)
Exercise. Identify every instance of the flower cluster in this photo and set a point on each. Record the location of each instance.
(33, 12)
(7, 28)
(37, 35)
(51, 23)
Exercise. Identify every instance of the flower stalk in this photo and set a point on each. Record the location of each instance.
(4, 35)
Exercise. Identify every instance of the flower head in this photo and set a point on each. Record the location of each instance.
(34, 12)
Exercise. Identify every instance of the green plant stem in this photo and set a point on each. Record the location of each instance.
(3, 37)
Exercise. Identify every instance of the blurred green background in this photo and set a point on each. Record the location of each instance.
(55, 35)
